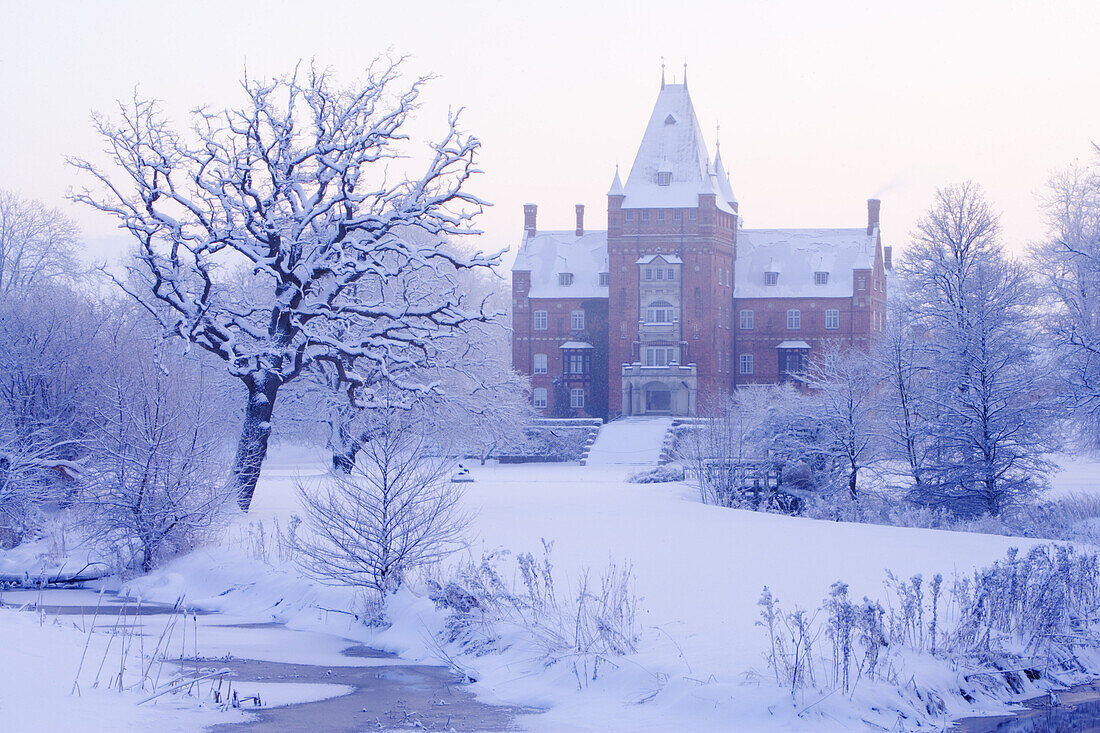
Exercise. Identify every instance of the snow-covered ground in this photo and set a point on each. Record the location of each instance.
(635, 441)
(39, 658)
(699, 570)
(1075, 474)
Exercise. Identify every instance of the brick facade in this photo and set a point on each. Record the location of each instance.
(678, 329)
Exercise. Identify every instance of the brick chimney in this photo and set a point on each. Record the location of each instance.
(530, 211)
(888, 258)
(580, 220)
(873, 206)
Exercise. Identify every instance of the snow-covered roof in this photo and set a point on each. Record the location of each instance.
(793, 345)
(724, 184)
(670, 259)
(548, 254)
(576, 345)
(673, 143)
(797, 254)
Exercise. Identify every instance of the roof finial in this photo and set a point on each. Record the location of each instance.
(685, 73)
(662, 72)
(718, 136)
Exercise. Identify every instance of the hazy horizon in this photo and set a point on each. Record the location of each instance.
(820, 108)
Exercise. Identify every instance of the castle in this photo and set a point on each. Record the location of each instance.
(675, 301)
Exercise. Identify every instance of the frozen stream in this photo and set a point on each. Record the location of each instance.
(306, 680)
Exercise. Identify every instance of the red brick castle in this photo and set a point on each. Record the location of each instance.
(675, 300)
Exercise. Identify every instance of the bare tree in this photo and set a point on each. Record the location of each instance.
(464, 373)
(296, 185)
(1069, 261)
(396, 510)
(730, 449)
(987, 408)
(37, 245)
(50, 346)
(844, 405)
(902, 362)
(154, 481)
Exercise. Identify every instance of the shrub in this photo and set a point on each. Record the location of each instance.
(588, 628)
(659, 475)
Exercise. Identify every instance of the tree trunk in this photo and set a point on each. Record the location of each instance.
(344, 448)
(852, 483)
(252, 446)
(147, 559)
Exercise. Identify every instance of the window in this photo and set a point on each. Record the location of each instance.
(661, 215)
(862, 283)
(645, 215)
(660, 356)
(692, 215)
(605, 279)
(540, 364)
(660, 312)
(540, 320)
(539, 397)
(794, 320)
(746, 320)
(664, 178)
(576, 398)
(792, 363)
(660, 273)
(832, 319)
(630, 215)
(719, 277)
(821, 278)
(745, 364)
(565, 278)
(649, 273)
(670, 274)
(771, 278)
(677, 214)
(576, 364)
(576, 321)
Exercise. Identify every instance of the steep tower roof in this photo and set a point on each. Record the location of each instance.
(672, 166)
(723, 177)
(616, 185)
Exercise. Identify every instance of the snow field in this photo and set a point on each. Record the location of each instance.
(699, 570)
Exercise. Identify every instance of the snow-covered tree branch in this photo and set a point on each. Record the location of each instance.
(299, 186)
(37, 245)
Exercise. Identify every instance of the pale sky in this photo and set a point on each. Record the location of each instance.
(821, 105)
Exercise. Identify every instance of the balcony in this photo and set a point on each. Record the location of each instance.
(683, 371)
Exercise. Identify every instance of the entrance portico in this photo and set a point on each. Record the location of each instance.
(659, 390)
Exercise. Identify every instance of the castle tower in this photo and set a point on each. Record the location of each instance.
(671, 240)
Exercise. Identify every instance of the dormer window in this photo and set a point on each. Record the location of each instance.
(565, 279)
(664, 178)
(670, 120)
(821, 278)
(605, 279)
(771, 278)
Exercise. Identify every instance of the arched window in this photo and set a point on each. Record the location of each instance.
(660, 312)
